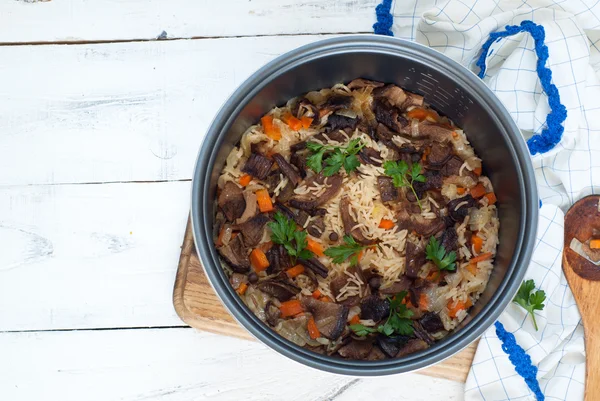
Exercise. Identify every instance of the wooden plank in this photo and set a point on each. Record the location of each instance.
(118, 112)
(198, 305)
(86, 256)
(181, 364)
(106, 20)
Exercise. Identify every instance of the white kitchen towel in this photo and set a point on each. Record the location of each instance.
(566, 173)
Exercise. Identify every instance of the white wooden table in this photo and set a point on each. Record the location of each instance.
(100, 123)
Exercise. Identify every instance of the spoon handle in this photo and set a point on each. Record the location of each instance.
(592, 369)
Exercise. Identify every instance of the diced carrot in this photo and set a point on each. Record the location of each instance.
(270, 153)
(423, 301)
(259, 260)
(265, 246)
(460, 190)
(271, 130)
(422, 114)
(434, 275)
(477, 243)
(325, 298)
(360, 255)
(426, 153)
(295, 271)
(355, 320)
(316, 294)
(454, 308)
(472, 268)
(294, 123)
(220, 238)
(290, 308)
(481, 258)
(264, 200)
(242, 289)
(233, 235)
(454, 134)
(306, 122)
(313, 330)
(491, 197)
(245, 179)
(386, 224)
(595, 244)
(478, 191)
(477, 170)
(314, 247)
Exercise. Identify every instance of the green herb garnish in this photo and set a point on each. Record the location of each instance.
(335, 157)
(437, 253)
(349, 251)
(530, 300)
(284, 232)
(405, 176)
(398, 321)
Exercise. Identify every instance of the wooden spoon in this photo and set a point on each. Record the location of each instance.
(584, 279)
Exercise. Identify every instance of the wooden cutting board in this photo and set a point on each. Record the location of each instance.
(197, 304)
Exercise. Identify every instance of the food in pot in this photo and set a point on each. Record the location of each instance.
(356, 221)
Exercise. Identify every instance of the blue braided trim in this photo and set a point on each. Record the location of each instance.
(552, 134)
(519, 358)
(385, 19)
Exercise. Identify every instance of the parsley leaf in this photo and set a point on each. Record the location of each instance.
(530, 300)
(436, 252)
(399, 320)
(404, 176)
(284, 233)
(361, 330)
(337, 157)
(348, 251)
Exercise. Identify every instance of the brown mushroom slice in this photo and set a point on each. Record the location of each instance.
(278, 289)
(258, 166)
(251, 207)
(387, 189)
(350, 223)
(438, 156)
(360, 83)
(391, 345)
(272, 313)
(288, 170)
(449, 239)
(415, 259)
(337, 102)
(426, 227)
(389, 116)
(329, 317)
(316, 266)
(236, 255)
(394, 94)
(231, 201)
(339, 122)
(452, 167)
(434, 132)
(412, 346)
(432, 322)
(311, 201)
(374, 308)
(278, 259)
(421, 333)
(412, 99)
(316, 227)
(370, 156)
(402, 284)
(253, 229)
(356, 349)
(305, 108)
(458, 208)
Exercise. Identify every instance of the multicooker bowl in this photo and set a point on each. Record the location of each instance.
(449, 88)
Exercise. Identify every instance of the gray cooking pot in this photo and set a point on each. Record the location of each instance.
(448, 87)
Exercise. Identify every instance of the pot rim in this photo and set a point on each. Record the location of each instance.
(201, 209)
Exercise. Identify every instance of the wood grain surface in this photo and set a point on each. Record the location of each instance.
(197, 304)
(582, 275)
(72, 21)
